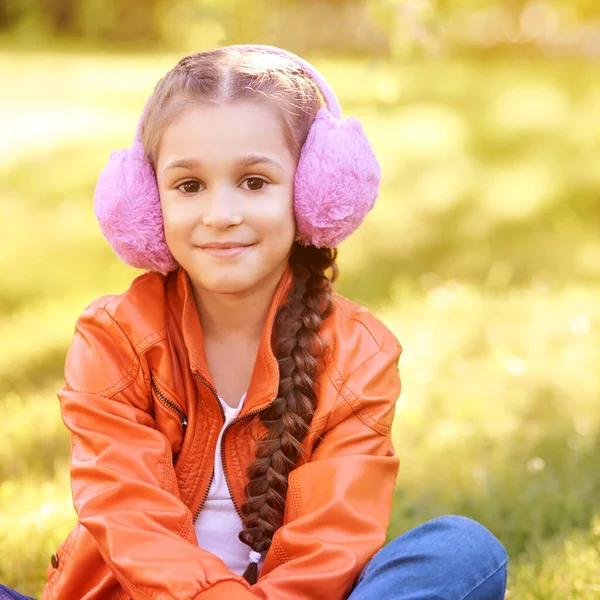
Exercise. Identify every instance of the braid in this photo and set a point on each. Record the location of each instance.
(287, 420)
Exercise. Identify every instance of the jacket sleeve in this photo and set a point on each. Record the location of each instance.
(339, 504)
(122, 477)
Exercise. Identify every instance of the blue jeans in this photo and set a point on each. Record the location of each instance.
(447, 558)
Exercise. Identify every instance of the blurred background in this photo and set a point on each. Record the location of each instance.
(482, 254)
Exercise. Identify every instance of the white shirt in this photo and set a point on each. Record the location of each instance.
(218, 524)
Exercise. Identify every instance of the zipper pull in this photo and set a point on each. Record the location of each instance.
(184, 423)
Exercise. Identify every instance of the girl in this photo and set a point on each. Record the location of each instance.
(230, 413)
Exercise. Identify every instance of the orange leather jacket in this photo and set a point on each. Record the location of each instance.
(144, 420)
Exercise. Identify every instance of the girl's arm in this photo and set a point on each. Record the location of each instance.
(339, 504)
(122, 477)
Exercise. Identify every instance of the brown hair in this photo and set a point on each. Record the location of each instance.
(222, 76)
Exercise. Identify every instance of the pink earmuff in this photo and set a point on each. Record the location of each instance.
(335, 186)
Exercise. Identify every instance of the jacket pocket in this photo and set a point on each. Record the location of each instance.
(170, 417)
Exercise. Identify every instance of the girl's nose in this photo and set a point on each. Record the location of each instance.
(222, 211)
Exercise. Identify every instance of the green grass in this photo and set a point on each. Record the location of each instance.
(482, 256)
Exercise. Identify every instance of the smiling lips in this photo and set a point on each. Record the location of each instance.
(225, 249)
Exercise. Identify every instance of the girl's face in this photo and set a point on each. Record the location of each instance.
(225, 176)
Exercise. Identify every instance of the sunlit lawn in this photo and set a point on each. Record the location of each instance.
(483, 256)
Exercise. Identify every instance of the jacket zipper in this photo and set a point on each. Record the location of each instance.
(250, 414)
(169, 404)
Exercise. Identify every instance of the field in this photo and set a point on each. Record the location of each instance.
(482, 255)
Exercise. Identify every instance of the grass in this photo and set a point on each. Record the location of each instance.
(482, 256)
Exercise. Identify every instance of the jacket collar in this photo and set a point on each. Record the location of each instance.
(264, 383)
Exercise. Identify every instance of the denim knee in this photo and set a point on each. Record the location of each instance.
(473, 539)
(458, 558)
(10, 594)
(479, 555)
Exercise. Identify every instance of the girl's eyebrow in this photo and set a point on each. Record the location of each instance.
(245, 161)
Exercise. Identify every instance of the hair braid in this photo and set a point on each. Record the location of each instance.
(297, 347)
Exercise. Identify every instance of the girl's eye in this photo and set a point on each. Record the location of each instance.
(256, 181)
(189, 187)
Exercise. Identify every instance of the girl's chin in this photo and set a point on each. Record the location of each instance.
(229, 286)
(226, 277)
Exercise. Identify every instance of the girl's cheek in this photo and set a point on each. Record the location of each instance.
(179, 215)
(275, 212)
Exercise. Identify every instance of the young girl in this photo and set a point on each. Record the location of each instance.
(230, 413)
